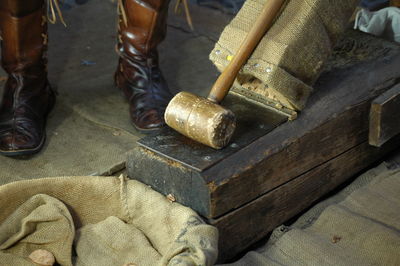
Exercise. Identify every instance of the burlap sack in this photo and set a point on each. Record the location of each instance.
(118, 221)
(291, 55)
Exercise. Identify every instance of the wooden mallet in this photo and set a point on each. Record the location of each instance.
(204, 120)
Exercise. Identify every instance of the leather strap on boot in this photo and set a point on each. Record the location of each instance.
(142, 26)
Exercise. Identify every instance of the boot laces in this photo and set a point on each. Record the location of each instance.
(53, 7)
(122, 12)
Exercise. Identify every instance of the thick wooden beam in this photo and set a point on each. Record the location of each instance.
(278, 175)
(336, 120)
(384, 118)
(250, 223)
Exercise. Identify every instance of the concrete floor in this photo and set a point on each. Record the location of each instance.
(89, 132)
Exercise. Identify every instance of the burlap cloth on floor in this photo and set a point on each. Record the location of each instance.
(358, 226)
(291, 55)
(105, 220)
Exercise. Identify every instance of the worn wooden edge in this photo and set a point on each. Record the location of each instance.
(295, 141)
(375, 116)
(252, 222)
(263, 165)
(384, 117)
(342, 132)
(332, 138)
(169, 177)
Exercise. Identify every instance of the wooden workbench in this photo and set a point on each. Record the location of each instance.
(259, 186)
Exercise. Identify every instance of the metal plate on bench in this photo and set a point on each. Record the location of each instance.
(253, 121)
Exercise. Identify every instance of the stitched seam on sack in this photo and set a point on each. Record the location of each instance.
(124, 198)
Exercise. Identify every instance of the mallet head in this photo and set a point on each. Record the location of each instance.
(200, 119)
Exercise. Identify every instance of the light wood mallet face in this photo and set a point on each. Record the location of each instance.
(200, 119)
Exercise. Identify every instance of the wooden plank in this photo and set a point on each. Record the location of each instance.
(293, 158)
(384, 116)
(335, 120)
(250, 223)
(169, 177)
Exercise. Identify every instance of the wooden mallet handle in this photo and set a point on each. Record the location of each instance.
(261, 26)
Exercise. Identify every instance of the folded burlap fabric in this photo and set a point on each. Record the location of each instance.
(290, 57)
(41, 221)
(118, 222)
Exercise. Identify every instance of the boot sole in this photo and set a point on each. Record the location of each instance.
(26, 152)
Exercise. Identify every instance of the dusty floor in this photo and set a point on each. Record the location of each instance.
(89, 131)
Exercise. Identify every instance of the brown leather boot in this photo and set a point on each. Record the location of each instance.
(27, 97)
(142, 26)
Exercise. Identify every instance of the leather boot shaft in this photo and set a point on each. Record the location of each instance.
(24, 42)
(21, 8)
(145, 26)
(23, 56)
